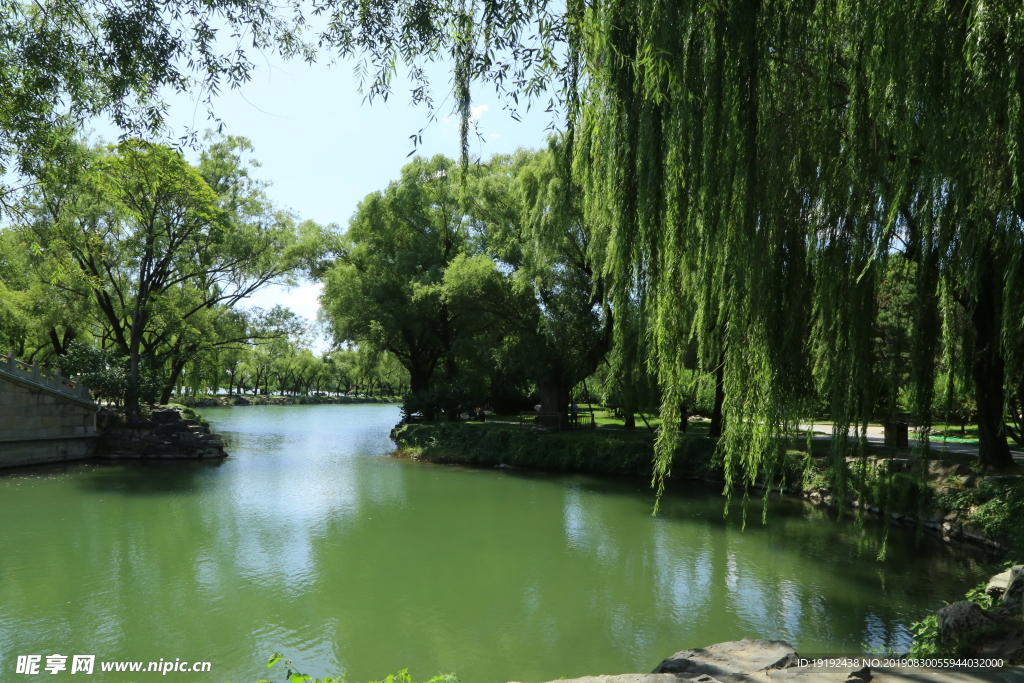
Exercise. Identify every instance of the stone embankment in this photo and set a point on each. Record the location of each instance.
(167, 434)
(950, 526)
(44, 417)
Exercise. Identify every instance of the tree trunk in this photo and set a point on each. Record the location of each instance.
(629, 420)
(554, 398)
(989, 373)
(131, 396)
(172, 381)
(717, 420)
(419, 387)
(61, 347)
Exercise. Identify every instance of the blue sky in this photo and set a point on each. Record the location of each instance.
(324, 148)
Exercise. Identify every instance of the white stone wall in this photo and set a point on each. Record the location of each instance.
(39, 426)
(17, 453)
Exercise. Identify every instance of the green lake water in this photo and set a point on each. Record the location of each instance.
(310, 541)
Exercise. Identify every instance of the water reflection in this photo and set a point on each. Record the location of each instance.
(791, 578)
(150, 478)
(308, 541)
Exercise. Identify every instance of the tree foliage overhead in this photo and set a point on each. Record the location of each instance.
(757, 165)
(766, 160)
(64, 61)
(752, 178)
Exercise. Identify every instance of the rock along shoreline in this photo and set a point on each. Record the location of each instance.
(167, 433)
(765, 661)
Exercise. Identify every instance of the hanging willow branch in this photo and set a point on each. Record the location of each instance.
(758, 167)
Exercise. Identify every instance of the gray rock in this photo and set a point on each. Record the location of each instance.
(960, 619)
(1013, 595)
(168, 428)
(636, 678)
(997, 584)
(167, 415)
(745, 656)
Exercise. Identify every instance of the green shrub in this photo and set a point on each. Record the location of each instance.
(995, 507)
(926, 631)
(293, 676)
(582, 450)
(898, 492)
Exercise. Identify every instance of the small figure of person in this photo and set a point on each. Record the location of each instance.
(575, 413)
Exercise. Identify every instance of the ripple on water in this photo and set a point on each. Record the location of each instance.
(307, 541)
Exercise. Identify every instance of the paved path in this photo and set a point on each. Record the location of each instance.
(876, 437)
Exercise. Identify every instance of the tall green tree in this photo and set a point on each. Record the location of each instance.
(385, 289)
(778, 157)
(536, 273)
(139, 235)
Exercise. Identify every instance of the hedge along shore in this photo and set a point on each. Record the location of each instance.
(628, 452)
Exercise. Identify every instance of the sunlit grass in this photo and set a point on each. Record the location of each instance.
(606, 418)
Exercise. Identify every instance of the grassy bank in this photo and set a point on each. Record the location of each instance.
(582, 450)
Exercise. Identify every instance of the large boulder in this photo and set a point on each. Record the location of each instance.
(1013, 594)
(165, 415)
(937, 471)
(745, 656)
(997, 584)
(961, 619)
(169, 428)
(636, 678)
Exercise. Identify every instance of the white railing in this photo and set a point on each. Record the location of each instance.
(50, 379)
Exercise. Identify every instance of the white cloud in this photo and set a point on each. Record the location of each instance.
(301, 299)
(476, 112)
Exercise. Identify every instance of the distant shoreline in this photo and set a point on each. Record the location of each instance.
(241, 400)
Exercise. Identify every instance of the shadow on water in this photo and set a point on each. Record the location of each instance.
(149, 478)
(860, 548)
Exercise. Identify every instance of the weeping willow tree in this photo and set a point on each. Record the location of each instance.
(761, 162)
(758, 166)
